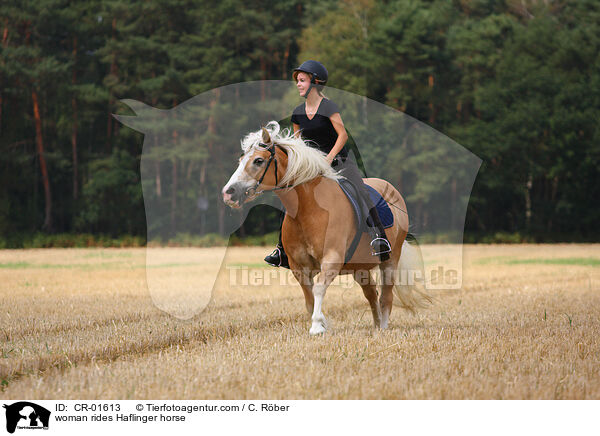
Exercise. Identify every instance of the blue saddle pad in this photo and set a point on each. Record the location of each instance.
(383, 209)
(361, 215)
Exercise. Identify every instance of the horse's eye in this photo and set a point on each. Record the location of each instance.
(258, 161)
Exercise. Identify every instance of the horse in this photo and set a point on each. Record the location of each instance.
(318, 227)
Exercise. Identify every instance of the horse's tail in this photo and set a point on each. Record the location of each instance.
(409, 288)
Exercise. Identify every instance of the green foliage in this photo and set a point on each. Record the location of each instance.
(267, 240)
(499, 238)
(517, 83)
(67, 240)
(112, 188)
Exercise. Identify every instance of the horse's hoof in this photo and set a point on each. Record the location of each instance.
(317, 329)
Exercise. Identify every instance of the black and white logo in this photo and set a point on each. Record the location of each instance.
(26, 415)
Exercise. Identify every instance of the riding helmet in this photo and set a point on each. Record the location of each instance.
(317, 69)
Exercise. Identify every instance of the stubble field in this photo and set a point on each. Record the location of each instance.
(80, 324)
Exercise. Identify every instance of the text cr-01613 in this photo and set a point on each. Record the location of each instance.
(95, 407)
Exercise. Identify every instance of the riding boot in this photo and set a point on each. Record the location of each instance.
(380, 245)
(278, 256)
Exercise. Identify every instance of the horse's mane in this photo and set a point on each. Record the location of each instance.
(304, 162)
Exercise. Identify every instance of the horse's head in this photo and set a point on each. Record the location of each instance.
(260, 166)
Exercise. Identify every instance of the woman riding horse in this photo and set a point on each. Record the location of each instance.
(318, 120)
(318, 229)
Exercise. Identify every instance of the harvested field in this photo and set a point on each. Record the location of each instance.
(81, 324)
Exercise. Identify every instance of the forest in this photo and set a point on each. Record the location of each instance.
(515, 82)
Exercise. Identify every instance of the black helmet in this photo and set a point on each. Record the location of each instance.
(317, 69)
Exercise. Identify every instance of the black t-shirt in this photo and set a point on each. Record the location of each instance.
(319, 129)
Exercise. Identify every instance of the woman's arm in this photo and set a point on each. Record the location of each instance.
(338, 125)
(296, 130)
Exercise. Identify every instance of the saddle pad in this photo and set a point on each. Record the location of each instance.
(383, 209)
(385, 214)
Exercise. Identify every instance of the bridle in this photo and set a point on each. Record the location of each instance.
(271, 148)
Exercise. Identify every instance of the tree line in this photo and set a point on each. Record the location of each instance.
(517, 82)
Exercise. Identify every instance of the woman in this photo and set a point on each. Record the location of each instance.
(318, 120)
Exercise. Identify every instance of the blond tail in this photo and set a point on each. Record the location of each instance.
(409, 284)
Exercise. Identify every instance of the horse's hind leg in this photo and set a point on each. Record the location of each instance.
(388, 277)
(370, 291)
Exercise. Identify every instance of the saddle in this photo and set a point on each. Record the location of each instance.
(361, 212)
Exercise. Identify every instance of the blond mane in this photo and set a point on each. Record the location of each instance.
(304, 162)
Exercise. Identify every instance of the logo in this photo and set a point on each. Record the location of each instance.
(434, 173)
(26, 415)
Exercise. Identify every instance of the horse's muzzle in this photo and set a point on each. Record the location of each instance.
(236, 195)
(229, 198)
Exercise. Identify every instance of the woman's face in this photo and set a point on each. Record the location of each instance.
(302, 82)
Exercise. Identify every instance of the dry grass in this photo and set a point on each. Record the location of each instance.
(81, 324)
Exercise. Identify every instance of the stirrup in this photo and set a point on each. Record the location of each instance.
(277, 258)
(380, 246)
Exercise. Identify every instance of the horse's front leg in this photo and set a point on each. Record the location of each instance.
(305, 278)
(330, 268)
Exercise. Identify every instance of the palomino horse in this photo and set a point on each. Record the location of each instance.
(318, 227)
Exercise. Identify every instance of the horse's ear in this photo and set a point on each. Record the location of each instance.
(266, 138)
(146, 117)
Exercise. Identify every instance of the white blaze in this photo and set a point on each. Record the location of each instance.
(240, 179)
